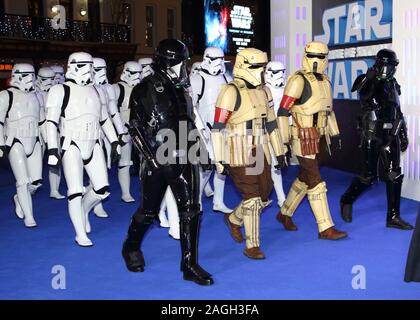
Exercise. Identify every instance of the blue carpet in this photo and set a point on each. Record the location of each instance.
(298, 265)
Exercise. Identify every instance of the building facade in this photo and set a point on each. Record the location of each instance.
(45, 32)
(155, 20)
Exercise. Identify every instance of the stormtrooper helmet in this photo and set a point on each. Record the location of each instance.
(274, 74)
(23, 77)
(59, 74)
(80, 68)
(213, 61)
(146, 64)
(45, 79)
(132, 73)
(99, 71)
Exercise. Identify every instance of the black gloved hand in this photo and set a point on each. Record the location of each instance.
(54, 158)
(281, 162)
(3, 152)
(336, 143)
(115, 155)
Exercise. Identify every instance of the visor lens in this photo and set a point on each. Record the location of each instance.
(316, 56)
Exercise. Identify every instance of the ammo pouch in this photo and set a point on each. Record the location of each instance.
(309, 139)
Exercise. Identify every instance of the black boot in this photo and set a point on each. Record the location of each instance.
(393, 194)
(357, 187)
(189, 230)
(131, 252)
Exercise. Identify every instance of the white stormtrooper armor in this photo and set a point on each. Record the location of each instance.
(206, 85)
(130, 77)
(20, 116)
(102, 83)
(146, 64)
(79, 110)
(195, 68)
(46, 78)
(59, 74)
(274, 77)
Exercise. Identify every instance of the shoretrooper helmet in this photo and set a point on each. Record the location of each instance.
(249, 66)
(316, 57)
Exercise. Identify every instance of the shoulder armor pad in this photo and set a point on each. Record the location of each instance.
(240, 84)
(359, 83)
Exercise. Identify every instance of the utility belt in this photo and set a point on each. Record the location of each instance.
(309, 130)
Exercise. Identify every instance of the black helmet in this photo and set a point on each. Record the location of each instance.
(171, 52)
(386, 64)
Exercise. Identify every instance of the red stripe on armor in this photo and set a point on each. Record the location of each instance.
(287, 102)
(222, 115)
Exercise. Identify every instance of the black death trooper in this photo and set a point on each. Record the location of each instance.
(383, 137)
(20, 119)
(78, 109)
(161, 104)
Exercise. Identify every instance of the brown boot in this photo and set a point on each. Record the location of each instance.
(332, 234)
(235, 230)
(254, 253)
(287, 222)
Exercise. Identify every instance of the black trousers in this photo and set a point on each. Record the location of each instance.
(184, 181)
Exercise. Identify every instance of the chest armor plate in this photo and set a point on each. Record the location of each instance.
(82, 115)
(316, 97)
(253, 106)
(23, 117)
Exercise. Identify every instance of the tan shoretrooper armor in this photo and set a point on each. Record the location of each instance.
(245, 133)
(308, 98)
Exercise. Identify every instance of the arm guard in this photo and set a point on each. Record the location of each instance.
(284, 128)
(226, 103)
(4, 106)
(332, 125)
(106, 124)
(53, 106)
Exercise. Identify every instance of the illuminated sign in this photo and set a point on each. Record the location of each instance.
(6, 67)
(229, 25)
(355, 32)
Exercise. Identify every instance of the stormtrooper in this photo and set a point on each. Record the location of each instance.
(59, 74)
(46, 78)
(274, 77)
(130, 77)
(205, 86)
(78, 110)
(102, 84)
(161, 102)
(146, 64)
(20, 116)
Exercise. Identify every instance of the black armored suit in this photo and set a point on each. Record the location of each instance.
(383, 133)
(160, 121)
